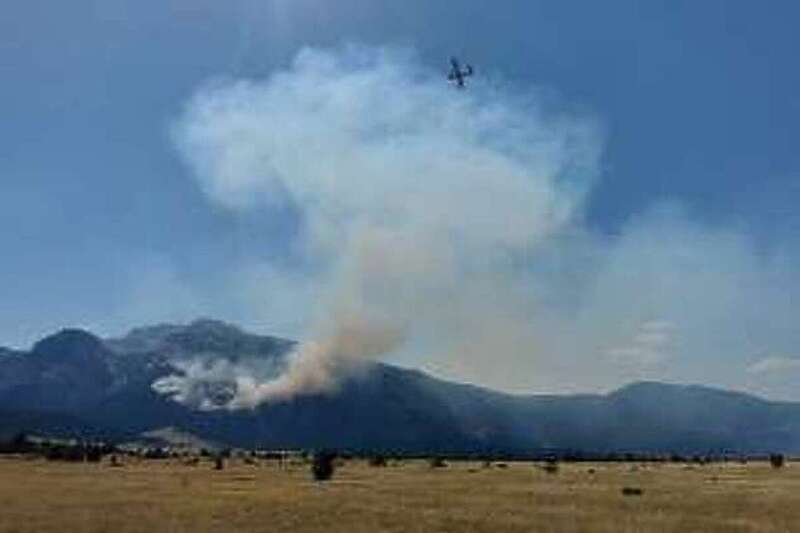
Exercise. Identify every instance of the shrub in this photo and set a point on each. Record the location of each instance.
(18, 444)
(94, 454)
(73, 454)
(437, 462)
(632, 491)
(219, 462)
(550, 468)
(550, 465)
(156, 453)
(777, 460)
(322, 466)
(377, 460)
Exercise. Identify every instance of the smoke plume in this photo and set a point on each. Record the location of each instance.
(418, 202)
(444, 229)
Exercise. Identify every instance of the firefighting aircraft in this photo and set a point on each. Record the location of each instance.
(458, 74)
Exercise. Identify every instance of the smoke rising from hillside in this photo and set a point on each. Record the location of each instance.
(416, 199)
(446, 229)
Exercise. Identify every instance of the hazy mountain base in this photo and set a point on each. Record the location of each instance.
(73, 383)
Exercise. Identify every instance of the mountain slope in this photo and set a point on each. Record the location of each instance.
(74, 382)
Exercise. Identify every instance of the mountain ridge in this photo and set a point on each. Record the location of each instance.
(74, 381)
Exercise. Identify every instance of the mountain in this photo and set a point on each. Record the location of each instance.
(75, 383)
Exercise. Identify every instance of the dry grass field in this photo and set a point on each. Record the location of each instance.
(153, 496)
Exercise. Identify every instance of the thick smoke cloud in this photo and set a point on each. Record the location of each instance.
(416, 199)
(445, 229)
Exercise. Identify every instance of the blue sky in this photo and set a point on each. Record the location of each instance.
(103, 225)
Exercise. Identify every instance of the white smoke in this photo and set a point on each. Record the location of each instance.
(418, 200)
(444, 229)
(775, 364)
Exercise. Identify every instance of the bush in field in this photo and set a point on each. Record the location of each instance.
(17, 444)
(777, 460)
(322, 466)
(632, 491)
(550, 465)
(550, 468)
(156, 453)
(437, 462)
(74, 454)
(20, 443)
(94, 454)
(377, 460)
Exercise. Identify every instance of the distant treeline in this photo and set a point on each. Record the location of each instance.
(565, 456)
(57, 450)
(93, 451)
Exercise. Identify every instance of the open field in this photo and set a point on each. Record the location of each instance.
(151, 496)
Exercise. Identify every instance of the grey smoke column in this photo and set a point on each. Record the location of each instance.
(416, 201)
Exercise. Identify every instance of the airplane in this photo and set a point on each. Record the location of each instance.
(457, 74)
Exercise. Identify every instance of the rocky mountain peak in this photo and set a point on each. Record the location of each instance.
(70, 345)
